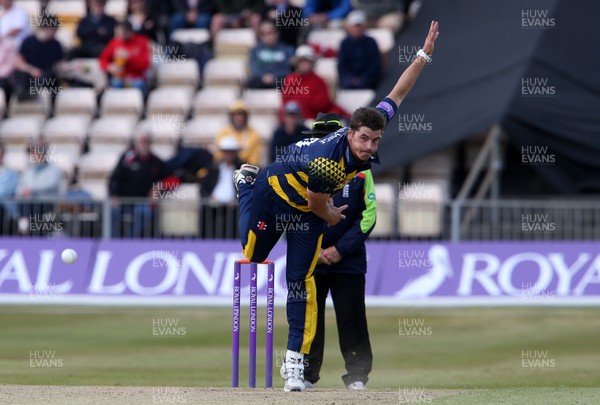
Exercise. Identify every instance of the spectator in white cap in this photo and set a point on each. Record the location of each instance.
(359, 60)
(218, 186)
(290, 131)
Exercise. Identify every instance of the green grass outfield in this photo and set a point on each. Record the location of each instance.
(479, 350)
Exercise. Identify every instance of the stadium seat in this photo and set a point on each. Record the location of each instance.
(180, 216)
(97, 165)
(420, 208)
(384, 227)
(214, 100)
(76, 101)
(165, 131)
(350, 100)
(190, 35)
(327, 69)
(40, 107)
(384, 38)
(201, 131)
(66, 135)
(234, 42)
(18, 132)
(185, 73)
(68, 11)
(169, 102)
(116, 9)
(111, 133)
(264, 125)
(88, 70)
(326, 39)
(122, 102)
(262, 100)
(226, 72)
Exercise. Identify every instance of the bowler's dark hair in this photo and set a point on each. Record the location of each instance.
(367, 117)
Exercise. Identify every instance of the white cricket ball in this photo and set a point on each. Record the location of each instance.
(68, 256)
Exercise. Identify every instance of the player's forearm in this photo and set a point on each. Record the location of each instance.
(321, 209)
(407, 80)
(409, 77)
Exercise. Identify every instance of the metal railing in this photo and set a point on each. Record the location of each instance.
(457, 220)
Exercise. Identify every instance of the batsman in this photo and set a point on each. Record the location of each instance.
(294, 195)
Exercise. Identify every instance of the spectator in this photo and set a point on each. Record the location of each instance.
(288, 20)
(322, 13)
(236, 14)
(250, 142)
(8, 186)
(359, 60)
(218, 187)
(306, 88)
(290, 131)
(41, 179)
(270, 60)
(126, 58)
(8, 60)
(94, 31)
(136, 174)
(14, 23)
(143, 20)
(8, 177)
(192, 14)
(38, 62)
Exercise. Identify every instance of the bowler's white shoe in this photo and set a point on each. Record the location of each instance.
(292, 371)
(357, 385)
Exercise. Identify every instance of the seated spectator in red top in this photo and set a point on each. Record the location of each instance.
(126, 58)
(359, 60)
(94, 31)
(306, 88)
(143, 20)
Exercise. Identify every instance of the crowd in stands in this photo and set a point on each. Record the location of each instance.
(282, 59)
